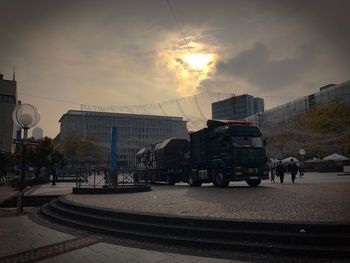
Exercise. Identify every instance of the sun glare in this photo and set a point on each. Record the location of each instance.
(198, 61)
(191, 63)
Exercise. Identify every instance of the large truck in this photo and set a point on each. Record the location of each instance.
(224, 151)
(164, 162)
(228, 151)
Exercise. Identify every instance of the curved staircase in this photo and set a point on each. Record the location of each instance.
(297, 239)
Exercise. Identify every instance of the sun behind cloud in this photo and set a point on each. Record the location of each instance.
(198, 61)
(190, 61)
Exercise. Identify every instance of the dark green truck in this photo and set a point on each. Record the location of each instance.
(227, 151)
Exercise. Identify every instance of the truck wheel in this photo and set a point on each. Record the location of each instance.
(219, 179)
(254, 183)
(169, 180)
(192, 182)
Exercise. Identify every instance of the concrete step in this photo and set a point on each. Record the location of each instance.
(260, 247)
(200, 222)
(180, 231)
(200, 232)
(29, 201)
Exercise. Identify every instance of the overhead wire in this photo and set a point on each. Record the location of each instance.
(129, 108)
(162, 109)
(53, 99)
(189, 51)
(162, 106)
(182, 112)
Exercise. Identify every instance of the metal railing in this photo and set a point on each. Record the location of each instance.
(20, 197)
(98, 178)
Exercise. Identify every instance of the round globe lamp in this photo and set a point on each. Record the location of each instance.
(25, 116)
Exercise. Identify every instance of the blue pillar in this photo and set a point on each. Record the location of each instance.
(114, 149)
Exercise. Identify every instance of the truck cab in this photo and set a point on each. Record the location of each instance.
(228, 151)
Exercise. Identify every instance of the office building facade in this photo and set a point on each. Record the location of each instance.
(325, 95)
(237, 107)
(259, 106)
(134, 131)
(8, 102)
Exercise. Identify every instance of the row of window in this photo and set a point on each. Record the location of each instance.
(287, 110)
(128, 129)
(141, 117)
(7, 99)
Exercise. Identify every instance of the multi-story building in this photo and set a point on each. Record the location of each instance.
(325, 95)
(8, 102)
(237, 107)
(134, 131)
(259, 105)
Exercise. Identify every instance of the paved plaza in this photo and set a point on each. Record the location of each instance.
(23, 240)
(314, 198)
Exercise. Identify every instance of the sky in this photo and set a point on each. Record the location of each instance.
(70, 53)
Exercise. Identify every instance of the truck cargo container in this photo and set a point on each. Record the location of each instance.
(164, 162)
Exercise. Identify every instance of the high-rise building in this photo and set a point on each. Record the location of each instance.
(38, 133)
(237, 107)
(259, 105)
(134, 131)
(8, 102)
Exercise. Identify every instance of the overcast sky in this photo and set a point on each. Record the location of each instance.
(68, 53)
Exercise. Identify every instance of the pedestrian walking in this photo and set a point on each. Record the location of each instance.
(293, 169)
(54, 174)
(280, 171)
(301, 172)
(43, 172)
(273, 172)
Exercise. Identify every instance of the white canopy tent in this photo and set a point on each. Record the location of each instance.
(335, 157)
(273, 160)
(313, 160)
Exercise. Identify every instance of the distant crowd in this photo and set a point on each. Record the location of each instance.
(280, 169)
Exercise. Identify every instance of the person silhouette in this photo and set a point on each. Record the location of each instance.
(293, 169)
(280, 171)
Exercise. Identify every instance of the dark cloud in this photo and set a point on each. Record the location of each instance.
(255, 66)
(328, 19)
(214, 84)
(179, 60)
(69, 48)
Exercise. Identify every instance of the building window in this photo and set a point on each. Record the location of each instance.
(7, 99)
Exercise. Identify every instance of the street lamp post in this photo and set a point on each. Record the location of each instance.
(302, 152)
(108, 157)
(25, 116)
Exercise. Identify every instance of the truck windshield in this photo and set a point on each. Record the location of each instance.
(246, 141)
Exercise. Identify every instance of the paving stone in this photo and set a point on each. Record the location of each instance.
(108, 253)
(34, 255)
(21, 234)
(149, 257)
(315, 197)
(324, 198)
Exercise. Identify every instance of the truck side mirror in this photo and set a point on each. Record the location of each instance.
(264, 143)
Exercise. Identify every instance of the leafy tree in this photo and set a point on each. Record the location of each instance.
(280, 140)
(75, 149)
(322, 130)
(43, 154)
